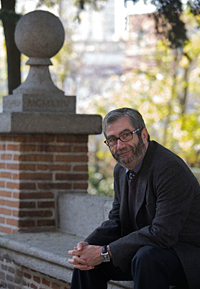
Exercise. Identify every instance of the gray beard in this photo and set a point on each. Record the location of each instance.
(138, 152)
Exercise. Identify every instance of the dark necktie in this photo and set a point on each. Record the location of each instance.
(132, 197)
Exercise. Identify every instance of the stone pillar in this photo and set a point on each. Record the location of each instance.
(43, 142)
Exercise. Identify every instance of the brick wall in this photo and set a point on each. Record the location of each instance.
(33, 170)
(13, 276)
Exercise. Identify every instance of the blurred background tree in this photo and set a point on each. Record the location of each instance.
(168, 22)
(167, 95)
(161, 81)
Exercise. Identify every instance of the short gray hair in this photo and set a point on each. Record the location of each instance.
(135, 118)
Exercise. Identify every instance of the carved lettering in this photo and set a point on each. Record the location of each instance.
(47, 103)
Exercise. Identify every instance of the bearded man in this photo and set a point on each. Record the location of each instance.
(152, 235)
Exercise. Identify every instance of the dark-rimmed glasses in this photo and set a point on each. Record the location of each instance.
(124, 137)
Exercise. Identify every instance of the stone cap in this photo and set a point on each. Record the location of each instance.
(49, 123)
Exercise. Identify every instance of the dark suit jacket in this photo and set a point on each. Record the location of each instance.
(167, 213)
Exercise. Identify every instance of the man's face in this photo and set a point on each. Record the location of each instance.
(128, 154)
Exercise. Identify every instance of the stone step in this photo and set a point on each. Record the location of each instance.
(46, 253)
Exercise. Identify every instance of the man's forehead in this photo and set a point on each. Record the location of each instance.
(118, 126)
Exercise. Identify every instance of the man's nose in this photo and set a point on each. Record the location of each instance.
(120, 144)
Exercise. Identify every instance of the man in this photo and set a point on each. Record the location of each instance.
(153, 232)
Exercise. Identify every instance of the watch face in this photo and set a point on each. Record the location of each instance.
(105, 257)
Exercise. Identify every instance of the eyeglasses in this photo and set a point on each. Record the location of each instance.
(124, 137)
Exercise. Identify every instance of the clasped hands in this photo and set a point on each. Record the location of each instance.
(85, 256)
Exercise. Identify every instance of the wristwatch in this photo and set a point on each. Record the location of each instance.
(104, 255)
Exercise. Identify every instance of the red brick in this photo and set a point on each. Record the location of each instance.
(21, 186)
(5, 175)
(2, 220)
(36, 279)
(54, 148)
(36, 214)
(71, 177)
(2, 202)
(27, 205)
(10, 278)
(40, 195)
(6, 138)
(14, 204)
(27, 186)
(12, 222)
(2, 165)
(54, 186)
(13, 147)
(10, 166)
(44, 223)
(45, 282)
(5, 194)
(2, 147)
(16, 195)
(19, 273)
(2, 276)
(71, 158)
(16, 157)
(63, 167)
(26, 275)
(46, 204)
(2, 184)
(6, 211)
(80, 168)
(5, 230)
(33, 176)
(80, 149)
(15, 213)
(6, 156)
(11, 185)
(27, 167)
(36, 158)
(39, 138)
(72, 138)
(11, 269)
(80, 186)
(27, 223)
(55, 286)
(15, 231)
(17, 280)
(28, 147)
(4, 267)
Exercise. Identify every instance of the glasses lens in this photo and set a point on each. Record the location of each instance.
(126, 136)
(112, 141)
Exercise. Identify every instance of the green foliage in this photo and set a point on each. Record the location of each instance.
(167, 95)
(100, 183)
(169, 21)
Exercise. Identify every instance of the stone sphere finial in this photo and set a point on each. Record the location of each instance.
(39, 34)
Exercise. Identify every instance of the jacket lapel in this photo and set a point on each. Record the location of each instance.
(143, 176)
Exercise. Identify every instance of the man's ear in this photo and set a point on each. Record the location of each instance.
(144, 135)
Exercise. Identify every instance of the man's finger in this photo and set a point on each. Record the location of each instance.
(73, 252)
(83, 267)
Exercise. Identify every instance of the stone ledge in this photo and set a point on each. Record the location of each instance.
(45, 253)
(49, 123)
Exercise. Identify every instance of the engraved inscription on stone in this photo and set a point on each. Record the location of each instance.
(36, 103)
(47, 103)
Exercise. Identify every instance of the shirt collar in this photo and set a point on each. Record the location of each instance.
(136, 169)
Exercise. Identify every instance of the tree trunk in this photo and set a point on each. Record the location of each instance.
(9, 20)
